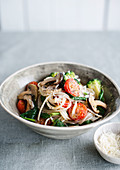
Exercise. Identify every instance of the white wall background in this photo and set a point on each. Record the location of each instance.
(59, 15)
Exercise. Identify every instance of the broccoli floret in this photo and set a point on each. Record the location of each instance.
(95, 85)
(69, 74)
(53, 74)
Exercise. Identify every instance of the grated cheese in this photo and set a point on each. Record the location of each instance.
(109, 143)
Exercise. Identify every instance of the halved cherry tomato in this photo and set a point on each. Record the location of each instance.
(80, 112)
(72, 87)
(66, 103)
(21, 106)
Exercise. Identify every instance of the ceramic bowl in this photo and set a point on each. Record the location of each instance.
(113, 127)
(10, 90)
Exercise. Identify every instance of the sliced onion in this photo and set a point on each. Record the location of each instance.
(50, 118)
(64, 114)
(74, 108)
(55, 101)
(89, 110)
(42, 107)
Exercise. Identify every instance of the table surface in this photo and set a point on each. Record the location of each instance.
(20, 147)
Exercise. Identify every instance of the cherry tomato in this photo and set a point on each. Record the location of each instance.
(33, 82)
(80, 112)
(21, 106)
(66, 104)
(72, 87)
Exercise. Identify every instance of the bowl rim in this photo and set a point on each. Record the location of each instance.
(95, 140)
(53, 127)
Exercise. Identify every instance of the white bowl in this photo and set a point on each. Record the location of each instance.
(113, 127)
(15, 83)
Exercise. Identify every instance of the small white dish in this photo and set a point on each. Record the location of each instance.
(113, 127)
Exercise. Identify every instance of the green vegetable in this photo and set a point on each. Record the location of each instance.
(54, 114)
(87, 122)
(42, 98)
(32, 114)
(78, 98)
(101, 95)
(58, 122)
(45, 115)
(53, 74)
(85, 94)
(32, 120)
(69, 74)
(95, 85)
(77, 81)
(102, 110)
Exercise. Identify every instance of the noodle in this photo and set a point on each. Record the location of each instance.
(65, 98)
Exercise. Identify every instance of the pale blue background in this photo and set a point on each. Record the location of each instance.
(21, 148)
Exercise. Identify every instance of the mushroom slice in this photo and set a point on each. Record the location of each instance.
(47, 80)
(30, 104)
(21, 95)
(27, 95)
(33, 89)
(94, 103)
(57, 79)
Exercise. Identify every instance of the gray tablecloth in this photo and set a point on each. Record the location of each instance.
(20, 147)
